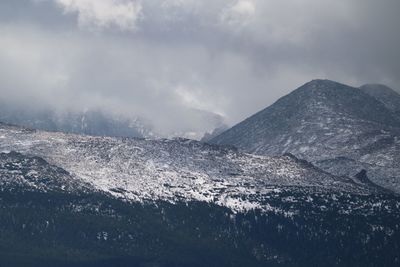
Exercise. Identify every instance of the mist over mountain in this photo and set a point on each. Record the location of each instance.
(103, 122)
(389, 97)
(117, 147)
(339, 128)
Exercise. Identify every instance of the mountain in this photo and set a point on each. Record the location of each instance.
(98, 122)
(73, 200)
(90, 122)
(170, 170)
(340, 129)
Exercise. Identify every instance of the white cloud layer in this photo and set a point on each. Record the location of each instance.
(123, 14)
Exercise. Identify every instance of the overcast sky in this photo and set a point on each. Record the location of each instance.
(160, 59)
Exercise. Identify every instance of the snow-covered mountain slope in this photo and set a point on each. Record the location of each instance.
(338, 128)
(173, 170)
(33, 173)
(71, 200)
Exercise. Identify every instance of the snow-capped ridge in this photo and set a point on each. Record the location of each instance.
(173, 170)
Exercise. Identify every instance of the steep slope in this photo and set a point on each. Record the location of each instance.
(70, 200)
(338, 128)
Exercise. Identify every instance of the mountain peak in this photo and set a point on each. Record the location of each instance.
(320, 83)
(324, 120)
(319, 86)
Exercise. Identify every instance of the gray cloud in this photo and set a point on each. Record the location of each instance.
(164, 59)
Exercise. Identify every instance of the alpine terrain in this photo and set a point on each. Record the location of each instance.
(73, 200)
(340, 129)
(118, 143)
